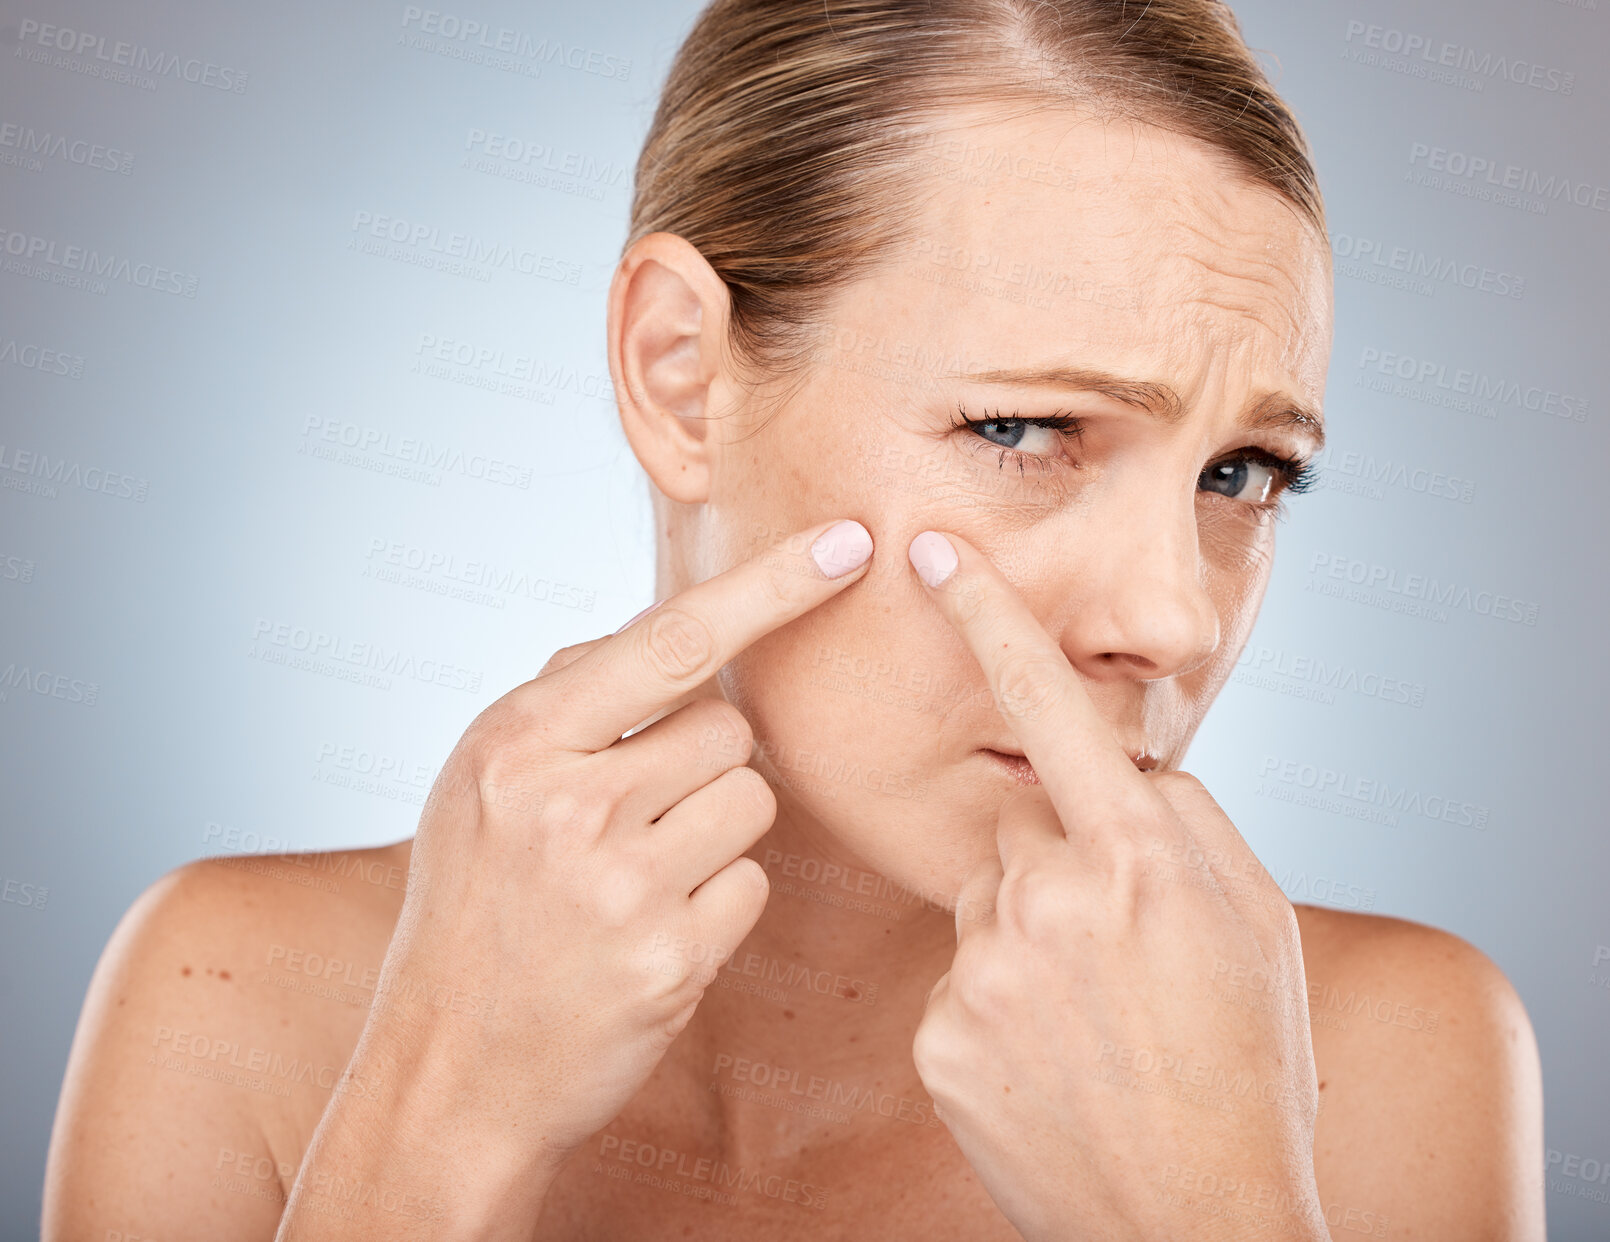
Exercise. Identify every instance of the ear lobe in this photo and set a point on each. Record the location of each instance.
(667, 336)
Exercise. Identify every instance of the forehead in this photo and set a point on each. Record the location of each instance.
(1062, 238)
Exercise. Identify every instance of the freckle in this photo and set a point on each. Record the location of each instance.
(855, 1039)
(1007, 1087)
(788, 1013)
(223, 974)
(120, 1002)
(209, 970)
(184, 970)
(852, 994)
(1322, 1086)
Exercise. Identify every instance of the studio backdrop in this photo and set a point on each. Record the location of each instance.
(308, 452)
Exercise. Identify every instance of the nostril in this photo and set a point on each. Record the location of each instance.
(1129, 659)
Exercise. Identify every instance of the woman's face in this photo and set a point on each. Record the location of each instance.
(1054, 251)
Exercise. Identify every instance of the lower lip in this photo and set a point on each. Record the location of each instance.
(1015, 766)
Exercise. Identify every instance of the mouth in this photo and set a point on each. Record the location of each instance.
(1018, 768)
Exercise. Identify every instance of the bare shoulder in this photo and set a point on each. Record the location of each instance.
(1431, 1090)
(217, 1023)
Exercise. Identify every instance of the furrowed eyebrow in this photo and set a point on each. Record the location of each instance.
(1158, 400)
(1278, 410)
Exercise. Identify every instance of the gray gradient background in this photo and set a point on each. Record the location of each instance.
(197, 741)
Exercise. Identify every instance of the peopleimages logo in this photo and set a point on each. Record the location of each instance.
(1484, 172)
(29, 147)
(129, 56)
(1379, 583)
(45, 258)
(1449, 55)
(453, 251)
(469, 33)
(1330, 675)
(545, 157)
(1327, 783)
(39, 358)
(1360, 254)
(1499, 390)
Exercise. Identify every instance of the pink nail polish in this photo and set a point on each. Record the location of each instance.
(842, 547)
(933, 557)
(644, 613)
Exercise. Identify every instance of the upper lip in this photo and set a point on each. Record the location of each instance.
(1138, 755)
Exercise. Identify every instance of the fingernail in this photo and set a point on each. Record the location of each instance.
(842, 547)
(933, 557)
(644, 613)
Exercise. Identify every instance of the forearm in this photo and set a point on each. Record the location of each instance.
(403, 1151)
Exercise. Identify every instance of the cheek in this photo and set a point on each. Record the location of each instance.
(1237, 552)
(873, 670)
(1237, 558)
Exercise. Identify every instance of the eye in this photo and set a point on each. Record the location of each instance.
(1257, 478)
(1022, 441)
(1012, 432)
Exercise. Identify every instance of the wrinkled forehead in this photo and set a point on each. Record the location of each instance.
(1056, 234)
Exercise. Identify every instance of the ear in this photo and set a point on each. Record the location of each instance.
(668, 313)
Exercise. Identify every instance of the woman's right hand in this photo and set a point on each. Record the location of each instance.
(572, 892)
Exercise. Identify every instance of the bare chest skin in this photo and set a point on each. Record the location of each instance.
(658, 1171)
(665, 1169)
(910, 1186)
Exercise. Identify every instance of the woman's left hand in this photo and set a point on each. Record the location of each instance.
(1121, 1046)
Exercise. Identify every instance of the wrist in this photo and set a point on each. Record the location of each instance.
(409, 1147)
(1235, 1199)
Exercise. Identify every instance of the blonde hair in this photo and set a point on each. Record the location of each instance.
(783, 144)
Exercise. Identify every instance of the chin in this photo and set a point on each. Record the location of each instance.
(926, 854)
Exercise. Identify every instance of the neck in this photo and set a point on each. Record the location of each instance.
(820, 1003)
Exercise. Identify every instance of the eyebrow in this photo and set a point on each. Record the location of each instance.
(1157, 399)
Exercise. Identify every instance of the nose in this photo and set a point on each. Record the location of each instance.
(1143, 609)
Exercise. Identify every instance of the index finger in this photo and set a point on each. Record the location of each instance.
(682, 643)
(1074, 751)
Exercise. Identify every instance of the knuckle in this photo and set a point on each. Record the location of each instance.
(488, 733)
(1028, 685)
(751, 794)
(669, 1029)
(732, 729)
(1183, 792)
(571, 813)
(620, 894)
(931, 1051)
(500, 764)
(702, 974)
(568, 655)
(507, 727)
(759, 883)
(1177, 780)
(490, 746)
(725, 738)
(1042, 905)
(986, 983)
(679, 644)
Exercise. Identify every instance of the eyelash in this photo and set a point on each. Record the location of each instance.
(1296, 476)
